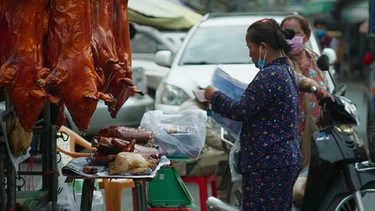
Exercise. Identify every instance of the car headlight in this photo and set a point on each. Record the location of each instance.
(170, 95)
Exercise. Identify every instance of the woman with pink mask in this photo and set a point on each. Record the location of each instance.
(303, 61)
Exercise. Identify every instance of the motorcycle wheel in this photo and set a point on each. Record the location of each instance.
(234, 196)
(347, 201)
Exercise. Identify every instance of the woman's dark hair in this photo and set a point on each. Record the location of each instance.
(302, 22)
(320, 21)
(269, 31)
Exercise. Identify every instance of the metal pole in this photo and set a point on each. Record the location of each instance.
(141, 198)
(87, 194)
(11, 184)
(3, 195)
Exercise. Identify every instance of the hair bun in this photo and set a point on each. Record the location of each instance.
(288, 33)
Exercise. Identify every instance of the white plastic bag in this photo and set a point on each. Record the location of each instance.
(178, 135)
(69, 194)
(233, 162)
(65, 198)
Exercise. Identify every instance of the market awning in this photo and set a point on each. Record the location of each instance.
(354, 11)
(162, 14)
(318, 7)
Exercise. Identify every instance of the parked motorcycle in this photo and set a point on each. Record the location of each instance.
(341, 175)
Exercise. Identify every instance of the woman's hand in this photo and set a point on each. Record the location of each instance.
(319, 91)
(209, 91)
(322, 93)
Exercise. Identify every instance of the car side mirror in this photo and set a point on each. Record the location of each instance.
(163, 58)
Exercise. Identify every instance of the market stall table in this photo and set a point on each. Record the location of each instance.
(74, 170)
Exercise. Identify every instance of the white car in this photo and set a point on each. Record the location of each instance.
(218, 40)
(177, 37)
(145, 43)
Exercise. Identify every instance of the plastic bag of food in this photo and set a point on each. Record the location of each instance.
(177, 135)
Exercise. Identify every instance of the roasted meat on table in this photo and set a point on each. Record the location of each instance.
(140, 135)
(131, 162)
(69, 55)
(112, 146)
(115, 139)
(23, 73)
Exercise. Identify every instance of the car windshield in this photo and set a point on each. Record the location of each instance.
(217, 45)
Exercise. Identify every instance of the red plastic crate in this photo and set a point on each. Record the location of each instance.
(168, 209)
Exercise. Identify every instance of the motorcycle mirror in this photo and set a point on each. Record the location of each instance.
(330, 52)
(340, 91)
(323, 62)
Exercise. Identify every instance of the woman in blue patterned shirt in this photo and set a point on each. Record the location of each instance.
(269, 109)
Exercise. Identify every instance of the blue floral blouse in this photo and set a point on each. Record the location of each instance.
(269, 110)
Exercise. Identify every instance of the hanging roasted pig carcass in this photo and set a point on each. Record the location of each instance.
(86, 47)
(111, 50)
(106, 61)
(23, 28)
(69, 55)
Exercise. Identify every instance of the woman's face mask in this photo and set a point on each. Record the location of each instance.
(260, 60)
(297, 44)
(320, 33)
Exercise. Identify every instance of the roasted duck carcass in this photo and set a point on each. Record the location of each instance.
(69, 54)
(131, 162)
(4, 32)
(23, 73)
(3, 43)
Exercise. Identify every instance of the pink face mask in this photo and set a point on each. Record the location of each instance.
(297, 44)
